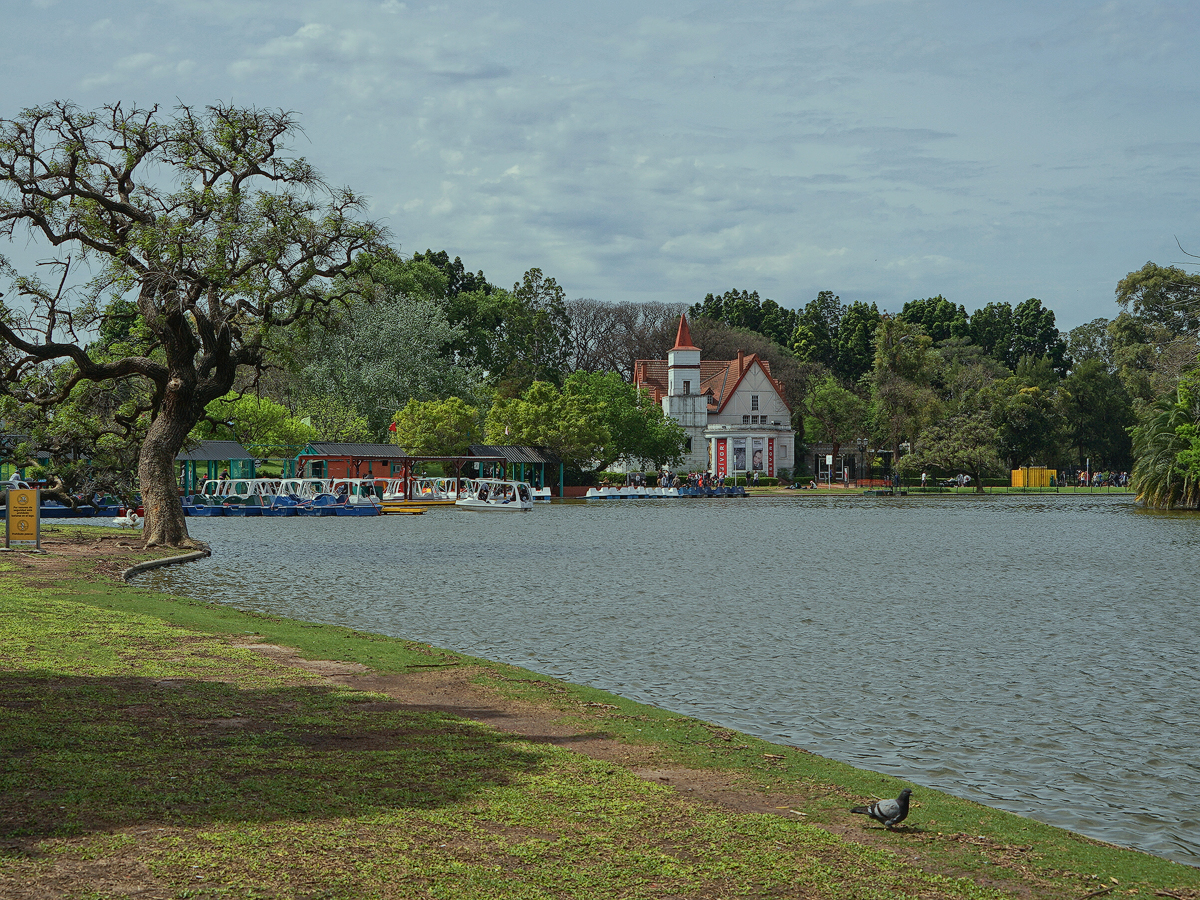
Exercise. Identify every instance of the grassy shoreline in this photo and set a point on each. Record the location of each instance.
(146, 745)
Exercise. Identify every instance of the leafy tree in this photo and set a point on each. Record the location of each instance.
(744, 309)
(961, 443)
(266, 428)
(992, 329)
(1036, 335)
(1092, 340)
(1028, 424)
(834, 415)
(87, 445)
(940, 318)
(856, 340)
(1166, 449)
(516, 337)
(457, 279)
(223, 242)
(1009, 333)
(541, 339)
(1150, 358)
(378, 354)
(964, 375)
(334, 421)
(437, 427)
(638, 428)
(1169, 297)
(815, 339)
(545, 416)
(1098, 414)
(902, 398)
(1037, 371)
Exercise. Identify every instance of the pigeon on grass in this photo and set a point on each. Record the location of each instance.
(889, 812)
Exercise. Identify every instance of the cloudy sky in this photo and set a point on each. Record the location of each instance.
(882, 149)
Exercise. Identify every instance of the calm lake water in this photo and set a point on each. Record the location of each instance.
(1034, 653)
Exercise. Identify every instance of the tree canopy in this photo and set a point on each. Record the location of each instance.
(940, 318)
(437, 427)
(1163, 295)
(390, 347)
(744, 309)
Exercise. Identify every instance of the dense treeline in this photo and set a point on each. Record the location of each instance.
(1002, 387)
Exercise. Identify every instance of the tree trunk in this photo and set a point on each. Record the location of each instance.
(165, 525)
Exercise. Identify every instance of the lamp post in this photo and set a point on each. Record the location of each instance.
(862, 453)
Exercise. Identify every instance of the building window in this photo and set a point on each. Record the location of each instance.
(688, 446)
(745, 420)
(687, 387)
(754, 401)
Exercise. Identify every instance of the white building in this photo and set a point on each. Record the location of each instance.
(733, 411)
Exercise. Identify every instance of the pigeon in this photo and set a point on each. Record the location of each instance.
(889, 812)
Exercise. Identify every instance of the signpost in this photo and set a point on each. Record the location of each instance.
(23, 517)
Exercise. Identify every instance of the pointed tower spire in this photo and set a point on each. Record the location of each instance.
(683, 337)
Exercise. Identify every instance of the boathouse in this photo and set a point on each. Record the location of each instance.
(536, 465)
(215, 457)
(348, 460)
(733, 411)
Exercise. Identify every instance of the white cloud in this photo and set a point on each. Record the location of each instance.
(869, 148)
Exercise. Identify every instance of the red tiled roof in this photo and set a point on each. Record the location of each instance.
(719, 378)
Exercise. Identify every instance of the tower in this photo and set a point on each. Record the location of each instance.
(684, 401)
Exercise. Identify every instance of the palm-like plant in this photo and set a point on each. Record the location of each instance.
(1166, 447)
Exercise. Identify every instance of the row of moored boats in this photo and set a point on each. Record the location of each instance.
(357, 496)
(637, 492)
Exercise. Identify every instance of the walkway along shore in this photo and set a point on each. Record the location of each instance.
(159, 747)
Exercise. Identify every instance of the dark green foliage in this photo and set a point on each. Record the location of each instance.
(1166, 447)
(1028, 424)
(815, 339)
(458, 279)
(961, 443)
(743, 309)
(940, 318)
(992, 329)
(1036, 335)
(1168, 296)
(856, 341)
(1098, 413)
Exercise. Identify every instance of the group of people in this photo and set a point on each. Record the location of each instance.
(1104, 479)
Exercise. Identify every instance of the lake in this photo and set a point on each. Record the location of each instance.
(1037, 653)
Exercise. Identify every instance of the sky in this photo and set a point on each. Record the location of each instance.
(886, 150)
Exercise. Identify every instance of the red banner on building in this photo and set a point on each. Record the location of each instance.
(770, 456)
(721, 457)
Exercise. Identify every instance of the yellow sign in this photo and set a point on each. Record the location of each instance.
(23, 519)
